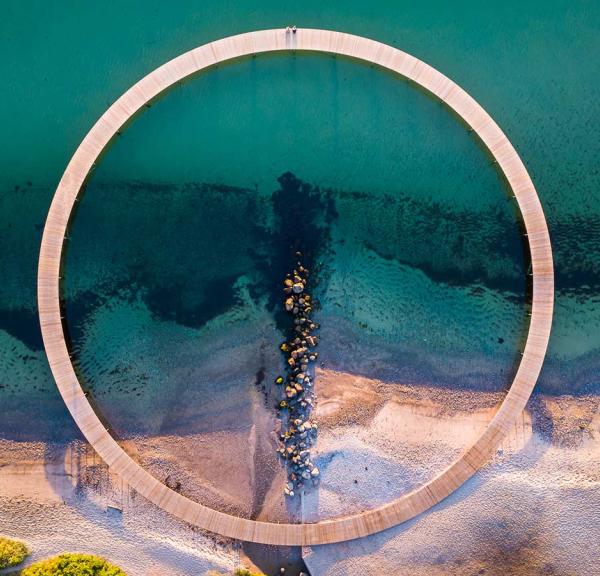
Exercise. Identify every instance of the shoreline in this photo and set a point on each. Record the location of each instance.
(345, 402)
(400, 432)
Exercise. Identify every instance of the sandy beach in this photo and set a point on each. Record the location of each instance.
(376, 441)
(534, 509)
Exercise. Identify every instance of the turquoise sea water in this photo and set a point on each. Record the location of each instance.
(173, 254)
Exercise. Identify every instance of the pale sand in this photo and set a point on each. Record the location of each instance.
(62, 498)
(534, 510)
(536, 505)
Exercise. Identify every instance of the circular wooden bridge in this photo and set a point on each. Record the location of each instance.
(339, 529)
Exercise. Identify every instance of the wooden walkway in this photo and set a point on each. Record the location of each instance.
(405, 507)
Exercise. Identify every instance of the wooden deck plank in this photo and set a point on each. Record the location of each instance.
(409, 505)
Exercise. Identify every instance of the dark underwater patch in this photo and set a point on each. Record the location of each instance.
(168, 303)
(24, 325)
(455, 247)
(303, 215)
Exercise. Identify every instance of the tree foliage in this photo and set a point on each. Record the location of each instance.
(73, 565)
(12, 552)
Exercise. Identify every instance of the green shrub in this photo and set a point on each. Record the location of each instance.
(12, 552)
(73, 565)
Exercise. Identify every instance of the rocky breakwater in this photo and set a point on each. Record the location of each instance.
(298, 429)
